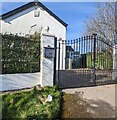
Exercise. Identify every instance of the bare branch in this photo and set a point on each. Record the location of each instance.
(104, 21)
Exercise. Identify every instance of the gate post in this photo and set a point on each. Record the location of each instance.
(114, 73)
(48, 61)
(94, 59)
(57, 82)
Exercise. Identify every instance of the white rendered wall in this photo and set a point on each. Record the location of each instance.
(19, 81)
(114, 74)
(47, 64)
(25, 23)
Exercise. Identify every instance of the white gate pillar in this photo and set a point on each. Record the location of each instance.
(47, 63)
(114, 74)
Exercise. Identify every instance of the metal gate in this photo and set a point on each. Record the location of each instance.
(88, 62)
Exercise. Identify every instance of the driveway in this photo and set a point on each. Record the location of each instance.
(90, 102)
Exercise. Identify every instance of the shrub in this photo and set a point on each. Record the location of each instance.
(20, 54)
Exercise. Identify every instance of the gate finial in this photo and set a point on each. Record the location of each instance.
(94, 34)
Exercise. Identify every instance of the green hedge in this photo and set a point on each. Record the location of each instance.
(20, 54)
(104, 60)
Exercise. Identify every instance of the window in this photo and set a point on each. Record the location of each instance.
(36, 13)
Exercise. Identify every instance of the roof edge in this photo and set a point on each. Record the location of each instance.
(28, 5)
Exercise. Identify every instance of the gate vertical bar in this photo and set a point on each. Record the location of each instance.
(94, 59)
(62, 45)
(55, 45)
(58, 65)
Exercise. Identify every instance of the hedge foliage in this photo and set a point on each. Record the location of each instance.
(104, 60)
(20, 54)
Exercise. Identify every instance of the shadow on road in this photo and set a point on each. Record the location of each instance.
(74, 106)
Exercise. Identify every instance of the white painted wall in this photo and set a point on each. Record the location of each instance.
(47, 64)
(114, 73)
(25, 23)
(19, 81)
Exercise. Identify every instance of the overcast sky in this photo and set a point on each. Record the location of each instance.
(73, 13)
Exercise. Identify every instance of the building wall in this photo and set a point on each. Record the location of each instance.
(25, 23)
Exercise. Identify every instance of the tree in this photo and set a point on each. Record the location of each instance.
(103, 23)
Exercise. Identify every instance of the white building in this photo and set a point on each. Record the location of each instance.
(35, 17)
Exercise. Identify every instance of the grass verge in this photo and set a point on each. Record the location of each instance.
(31, 104)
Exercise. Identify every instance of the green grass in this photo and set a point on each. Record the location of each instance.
(30, 104)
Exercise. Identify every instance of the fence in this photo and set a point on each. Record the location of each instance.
(89, 61)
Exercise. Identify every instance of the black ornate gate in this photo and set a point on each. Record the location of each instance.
(88, 61)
